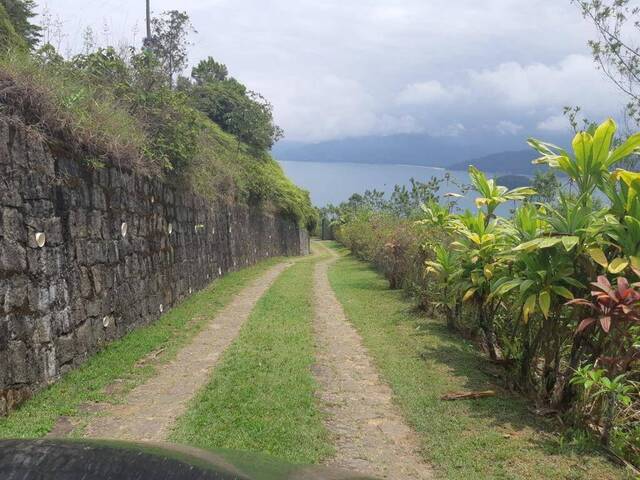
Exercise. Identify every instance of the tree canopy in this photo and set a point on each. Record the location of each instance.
(8, 36)
(169, 41)
(20, 13)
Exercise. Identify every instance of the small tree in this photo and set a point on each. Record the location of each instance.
(169, 41)
(615, 50)
(208, 71)
(547, 187)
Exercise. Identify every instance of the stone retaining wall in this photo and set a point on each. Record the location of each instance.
(88, 255)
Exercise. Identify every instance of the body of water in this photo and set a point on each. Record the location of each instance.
(336, 182)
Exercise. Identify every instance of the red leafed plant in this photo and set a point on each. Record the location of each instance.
(612, 306)
(616, 310)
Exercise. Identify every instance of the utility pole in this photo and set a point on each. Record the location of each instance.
(148, 20)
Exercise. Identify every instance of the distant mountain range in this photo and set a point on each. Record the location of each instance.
(513, 162)
(455, 153)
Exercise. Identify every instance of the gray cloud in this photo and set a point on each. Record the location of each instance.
(336, 68)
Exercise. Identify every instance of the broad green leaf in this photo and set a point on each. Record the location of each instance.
(598, 256)
(469, 294)
(617, 265)
(503, 285)
(581, 144)
(475, 238)
(551, 160)
(569, 242)
(569, 167)
(574, 283)
(528, 307)
(528, 246)
(521, 192)
(550, 242)
(631, 145)
(562, 291)
(543, 147)
(488, 272)
(632, 179)
(544, 300)
(526, 285)
(602, 139)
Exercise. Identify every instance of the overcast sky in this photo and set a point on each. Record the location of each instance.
(340, 68)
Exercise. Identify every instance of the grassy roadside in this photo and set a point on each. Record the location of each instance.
(261, 395)
(120, 361)
(491, 438)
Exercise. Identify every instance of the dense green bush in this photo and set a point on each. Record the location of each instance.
(227, 102)
(548, 292)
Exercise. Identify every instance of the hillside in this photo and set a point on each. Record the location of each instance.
(100, 107)
(410, 149)
(495, 155)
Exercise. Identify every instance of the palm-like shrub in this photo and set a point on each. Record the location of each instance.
(593, 157)
(524, 279)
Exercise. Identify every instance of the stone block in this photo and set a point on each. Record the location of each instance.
(46, 262)
(12, 225)
(50, 364)
(95, 224)
(62, 322)
(21, 327)
(13, 257)
(18, 362)
(17, 293)
(65, 349)
(97, 278)
(86, 287)
(95, 307)
(44, 329)
(84, 338)
(77, 223)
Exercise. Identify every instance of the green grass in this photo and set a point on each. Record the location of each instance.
(494, 438)
(120, 359)
(261, 395)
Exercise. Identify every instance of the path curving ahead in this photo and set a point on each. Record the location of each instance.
(369, 434)
(150, 410)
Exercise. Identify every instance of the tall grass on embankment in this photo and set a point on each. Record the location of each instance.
(103, 115)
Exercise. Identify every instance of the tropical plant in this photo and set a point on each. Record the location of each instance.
(444, 268)
(491, 195)
(435, 215)
(520, 283)
(590, 165)
(612, 308)
(606, 396)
